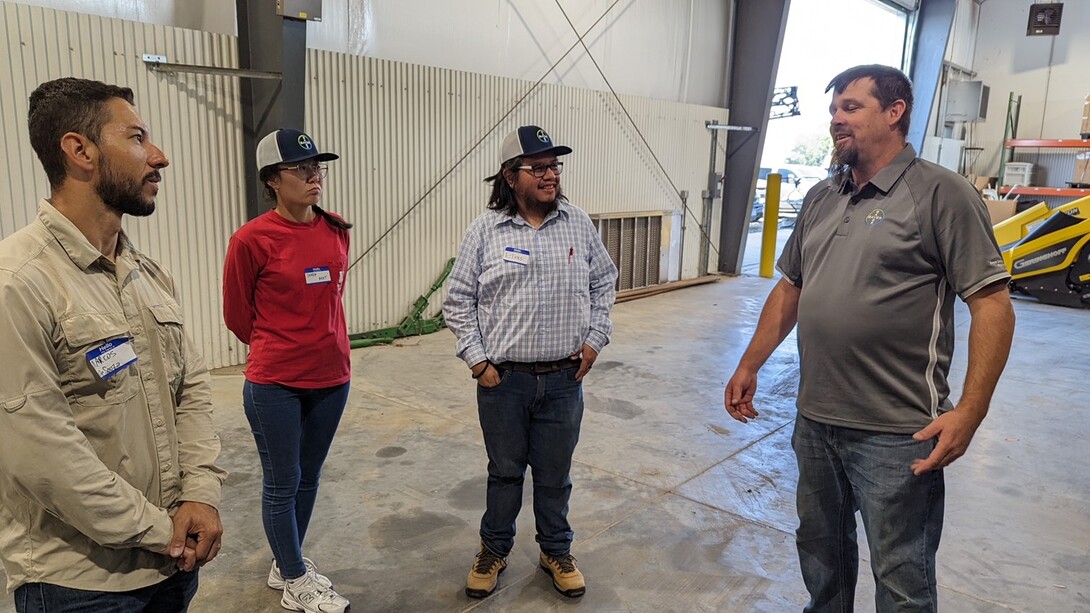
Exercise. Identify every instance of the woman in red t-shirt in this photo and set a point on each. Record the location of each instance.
(283, 282)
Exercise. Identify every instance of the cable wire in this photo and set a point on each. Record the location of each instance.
(677, 192)
(487, 133)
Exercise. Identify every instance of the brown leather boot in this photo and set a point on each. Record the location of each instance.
(566, 576)
(485, 574)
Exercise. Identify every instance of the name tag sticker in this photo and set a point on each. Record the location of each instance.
(516, 256)
(112, 358)
(318, 275)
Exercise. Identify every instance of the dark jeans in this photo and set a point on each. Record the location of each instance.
(168, 596)
(293, 429)
(530, 420)
(842, 470)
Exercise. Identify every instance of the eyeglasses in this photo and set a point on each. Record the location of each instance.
(307, 171)
(538, 170)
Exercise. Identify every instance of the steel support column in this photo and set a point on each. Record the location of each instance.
(268, 42)
(934, 20)
(757, 30)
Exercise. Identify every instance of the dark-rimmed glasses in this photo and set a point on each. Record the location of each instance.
(538, 170)
(306, 171)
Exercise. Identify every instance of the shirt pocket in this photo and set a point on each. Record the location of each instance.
(170, 336)
(84, 333)
(578, 273)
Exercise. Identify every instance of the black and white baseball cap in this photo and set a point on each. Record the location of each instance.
(529, 140)
(285, 146)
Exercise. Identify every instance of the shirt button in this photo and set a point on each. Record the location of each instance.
(137, 330)
(148, 376)
(159, 422)
(166, 467)
(846, 219)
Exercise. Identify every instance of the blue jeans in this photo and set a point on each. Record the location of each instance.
(842, 470)
(530, 420)
(293, 429)
(168, 596)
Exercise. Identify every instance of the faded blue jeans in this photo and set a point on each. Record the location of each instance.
(530, 420)
(171, 595)
(842, 470)
(293, 429)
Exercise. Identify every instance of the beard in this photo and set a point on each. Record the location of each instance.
(124, 195)
(528, 198)
(543, 208)
(848, 156)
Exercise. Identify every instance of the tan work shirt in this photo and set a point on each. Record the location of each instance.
(93, 463)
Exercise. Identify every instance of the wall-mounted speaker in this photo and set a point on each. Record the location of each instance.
(1044, 19)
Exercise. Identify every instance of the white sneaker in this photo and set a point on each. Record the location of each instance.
(308, 595)
(276, 582)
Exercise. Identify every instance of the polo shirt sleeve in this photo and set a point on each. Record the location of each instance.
(790, 262)
(964, 240)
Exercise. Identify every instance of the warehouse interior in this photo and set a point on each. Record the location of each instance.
(666, 104)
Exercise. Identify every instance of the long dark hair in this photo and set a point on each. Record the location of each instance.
(267, 173)
(503, 196)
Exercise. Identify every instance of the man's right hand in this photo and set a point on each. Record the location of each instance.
(738, 395)
(486, 374)
(197, 534)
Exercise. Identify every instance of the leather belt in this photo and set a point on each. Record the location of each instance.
(538, 368)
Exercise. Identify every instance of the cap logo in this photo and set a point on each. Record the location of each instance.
(305, 142)
(542, 136)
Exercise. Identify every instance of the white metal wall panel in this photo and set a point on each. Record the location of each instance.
(417, 141)
(194, 118)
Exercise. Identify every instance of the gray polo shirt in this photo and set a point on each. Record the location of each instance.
(878, 268)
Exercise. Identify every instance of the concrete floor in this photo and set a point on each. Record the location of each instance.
(676, 507)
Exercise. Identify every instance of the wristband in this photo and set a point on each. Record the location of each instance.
(486, 365)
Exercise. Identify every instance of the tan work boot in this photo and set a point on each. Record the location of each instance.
(566, 576)
(485, 573)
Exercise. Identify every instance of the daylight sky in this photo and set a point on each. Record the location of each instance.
(823, 38)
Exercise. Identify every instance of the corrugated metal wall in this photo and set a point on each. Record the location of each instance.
(417, 141)
(193, 118)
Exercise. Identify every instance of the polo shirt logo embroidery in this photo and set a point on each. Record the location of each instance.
(875, 217)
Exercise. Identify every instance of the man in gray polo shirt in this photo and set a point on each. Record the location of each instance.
(870, 275)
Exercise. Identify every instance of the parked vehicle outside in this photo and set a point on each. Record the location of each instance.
(796, 180)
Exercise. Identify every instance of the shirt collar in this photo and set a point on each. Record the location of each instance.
(885, 178)
(563, 209)
(75, 244)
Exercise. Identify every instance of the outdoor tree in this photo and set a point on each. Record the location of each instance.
(811, 150)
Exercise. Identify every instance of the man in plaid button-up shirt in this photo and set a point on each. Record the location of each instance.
(529, 300)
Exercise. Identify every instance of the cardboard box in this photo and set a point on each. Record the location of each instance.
(1082, 168)
(1000, 210)
(983, 183)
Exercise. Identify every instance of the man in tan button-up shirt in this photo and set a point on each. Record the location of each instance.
(108, 482)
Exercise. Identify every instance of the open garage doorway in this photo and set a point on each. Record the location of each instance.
(822, 38)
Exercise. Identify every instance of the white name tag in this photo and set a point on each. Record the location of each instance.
(112, 358)
(516, 256)
(318, 275)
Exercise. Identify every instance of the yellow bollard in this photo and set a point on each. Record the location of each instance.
(771, 224)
